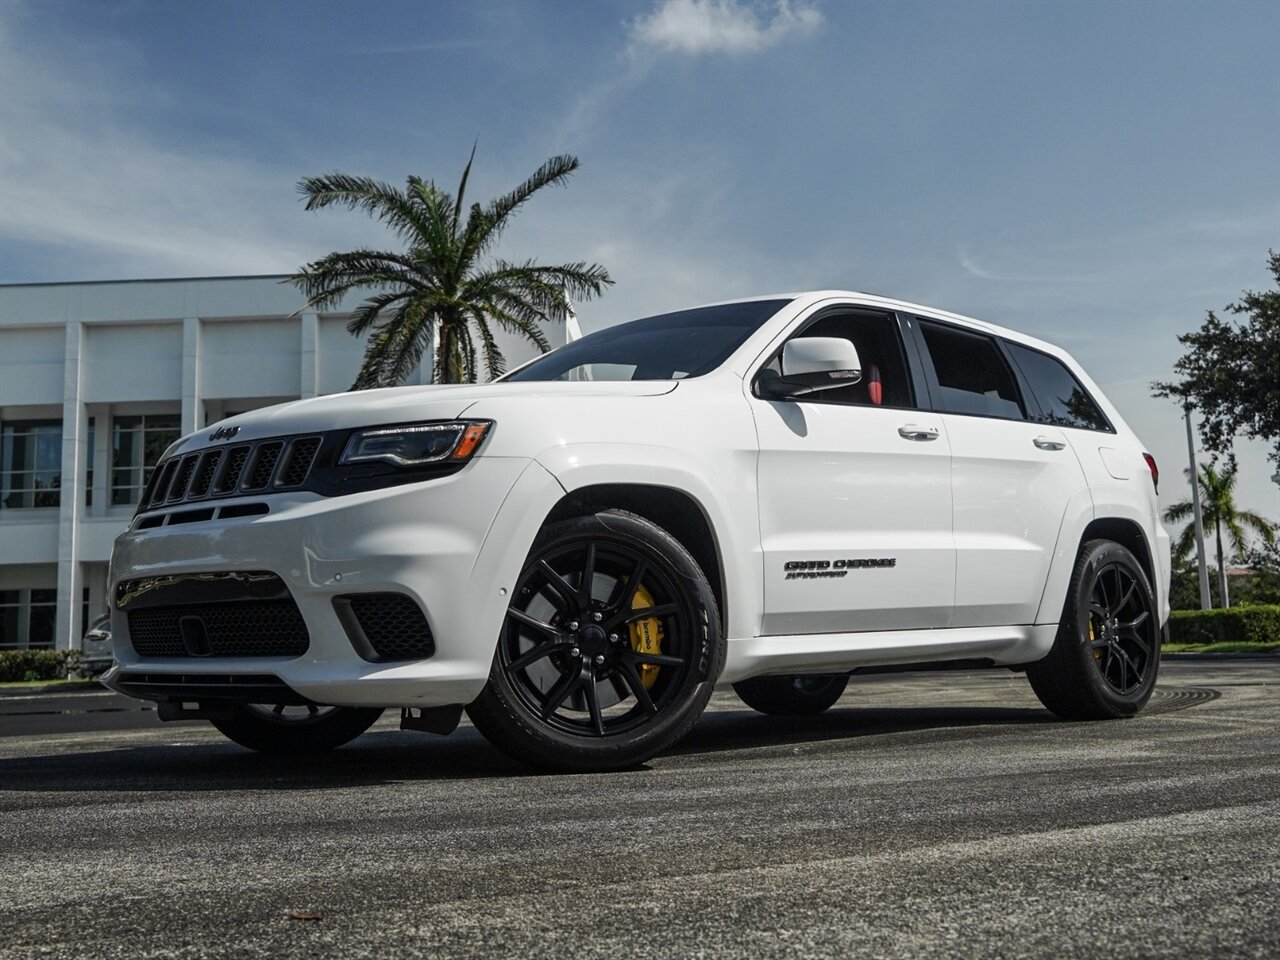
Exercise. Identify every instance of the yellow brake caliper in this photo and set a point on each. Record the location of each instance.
(1097, 654)
(646, 636)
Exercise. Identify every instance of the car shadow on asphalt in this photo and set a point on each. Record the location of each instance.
(384, 755)
(727, 730)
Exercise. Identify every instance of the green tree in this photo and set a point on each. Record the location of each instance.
(1231, 372)
(1218, 506)
(441, 285)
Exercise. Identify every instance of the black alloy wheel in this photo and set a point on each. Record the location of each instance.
(609, 649)
(300, 730)
(792, 695)
(1121, 628)
(1105, 658)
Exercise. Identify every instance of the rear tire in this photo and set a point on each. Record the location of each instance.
(610, 649)
(304, 732)
(1104, 661)
(798, 695)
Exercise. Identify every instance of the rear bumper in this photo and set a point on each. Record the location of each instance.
(454, 545)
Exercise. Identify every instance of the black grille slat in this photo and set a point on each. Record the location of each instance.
(161, 490)
(205, 474)
(302, 453)
(393, 625)
(265, 458)
(181, 479)
(252, 628)
(230, 477)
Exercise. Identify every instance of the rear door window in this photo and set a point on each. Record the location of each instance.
(1063, 401)
(972, 374)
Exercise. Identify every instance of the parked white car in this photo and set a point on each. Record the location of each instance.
(769, 493)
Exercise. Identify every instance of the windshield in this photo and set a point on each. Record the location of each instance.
(671, 346)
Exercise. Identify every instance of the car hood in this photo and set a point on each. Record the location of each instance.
(362, 408)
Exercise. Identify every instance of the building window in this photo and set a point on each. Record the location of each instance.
(30, 463)
(26, 618)
(88, 470)
(137, 443)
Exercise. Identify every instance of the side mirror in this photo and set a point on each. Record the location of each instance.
(811, 364)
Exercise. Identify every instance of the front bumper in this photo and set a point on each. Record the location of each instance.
(454, 544)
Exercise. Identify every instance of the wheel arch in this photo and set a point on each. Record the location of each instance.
(1129, 535)
(675, 510)
(1126, 531)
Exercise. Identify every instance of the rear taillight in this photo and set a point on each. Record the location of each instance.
(1155, 471)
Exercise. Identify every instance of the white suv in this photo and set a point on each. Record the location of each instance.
(770, 493)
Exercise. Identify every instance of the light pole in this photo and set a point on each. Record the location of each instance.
(1199, 517)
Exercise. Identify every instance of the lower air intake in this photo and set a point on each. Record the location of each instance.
(385, 626)
(261, 628)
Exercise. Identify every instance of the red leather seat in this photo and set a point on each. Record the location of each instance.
(875, 388)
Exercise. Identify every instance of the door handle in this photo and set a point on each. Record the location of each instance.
(912, 432)
(1044, 443)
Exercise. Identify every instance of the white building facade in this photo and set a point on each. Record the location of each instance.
(96, 379)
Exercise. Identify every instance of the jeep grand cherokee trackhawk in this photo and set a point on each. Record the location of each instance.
(769, 493)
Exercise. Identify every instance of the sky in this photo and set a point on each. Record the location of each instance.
(1098, 174)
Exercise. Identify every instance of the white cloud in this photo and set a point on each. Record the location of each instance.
(721, 26)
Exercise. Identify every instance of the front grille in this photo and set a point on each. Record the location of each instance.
(182, 478)
(230, 479)
(386, 626)
(264, 465)
(252, 628)
(274, 463)
(301, 454)
(204, 476)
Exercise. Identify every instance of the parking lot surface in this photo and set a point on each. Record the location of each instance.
(927, 815)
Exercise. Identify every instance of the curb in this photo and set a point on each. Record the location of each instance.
(53, 686)
(1220, 656)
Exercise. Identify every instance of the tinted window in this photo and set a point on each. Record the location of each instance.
(670, 346)
(1063, 401)
(972, 373)
(885, 381)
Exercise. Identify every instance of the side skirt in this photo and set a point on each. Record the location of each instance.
(846, 652)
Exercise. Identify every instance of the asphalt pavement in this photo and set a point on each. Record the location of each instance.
(927, 815)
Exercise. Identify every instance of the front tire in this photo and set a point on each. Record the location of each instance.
(609, 651)
(800, 695)
(301, 731)
(1104, 661)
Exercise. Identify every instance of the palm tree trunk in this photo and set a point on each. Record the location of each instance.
(1222, 566)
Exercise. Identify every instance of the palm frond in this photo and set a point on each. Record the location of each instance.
(462, 188)
(374, 197)
(494, 362)
(554, 172)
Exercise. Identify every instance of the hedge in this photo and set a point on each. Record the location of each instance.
(19, 665)
(1254, 624)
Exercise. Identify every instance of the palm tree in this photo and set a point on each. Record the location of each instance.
(1218, 507)
(440, 285)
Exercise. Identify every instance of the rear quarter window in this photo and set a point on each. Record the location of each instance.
(1063, 400)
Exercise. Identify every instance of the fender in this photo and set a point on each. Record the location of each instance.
(502, 554)
(577, 466)
(1074, 524)
(1156, 537)
(1077, 515)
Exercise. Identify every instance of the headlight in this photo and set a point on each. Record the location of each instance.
(415, 444)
